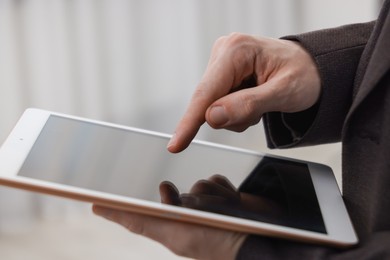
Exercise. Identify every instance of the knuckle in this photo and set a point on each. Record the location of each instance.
(239, 41)
(215, 177)
(200, 99)
(236, 37)
(200, 186)
(232, 41)
(220, 40)
(242, 54)
(200, 93)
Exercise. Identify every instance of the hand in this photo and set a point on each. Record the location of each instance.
(217, 194)
(184, 239)
(246, 77)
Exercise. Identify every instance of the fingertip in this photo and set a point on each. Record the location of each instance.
(169, 193)
(98, 210)
(173, 148)
(174, 145)
(181, 140)
(169, 185)
(95, 208)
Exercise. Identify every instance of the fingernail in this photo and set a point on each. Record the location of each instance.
(218, 115)
(172, 142)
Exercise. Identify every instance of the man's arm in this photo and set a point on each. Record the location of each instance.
(376, 247)
(337, 54)
(246, 77)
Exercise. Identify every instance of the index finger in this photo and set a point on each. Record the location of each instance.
(216, 84)
(220, 77)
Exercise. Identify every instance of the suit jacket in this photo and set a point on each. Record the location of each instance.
(354, 108)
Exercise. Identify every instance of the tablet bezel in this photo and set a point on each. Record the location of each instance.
(340, 232)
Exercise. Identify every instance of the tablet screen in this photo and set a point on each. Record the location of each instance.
(134, 164)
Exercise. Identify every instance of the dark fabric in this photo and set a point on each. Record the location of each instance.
(337, 60)
(354, 64)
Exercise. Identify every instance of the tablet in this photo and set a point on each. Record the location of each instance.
(210, 184)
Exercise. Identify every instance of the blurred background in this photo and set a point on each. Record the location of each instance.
(131, 62)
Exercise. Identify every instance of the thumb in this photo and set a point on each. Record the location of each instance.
(239, 110)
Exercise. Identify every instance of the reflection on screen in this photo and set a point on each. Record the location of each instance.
(134, 164)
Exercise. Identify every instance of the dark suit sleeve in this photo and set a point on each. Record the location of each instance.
(256, 247)
(337, 52)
